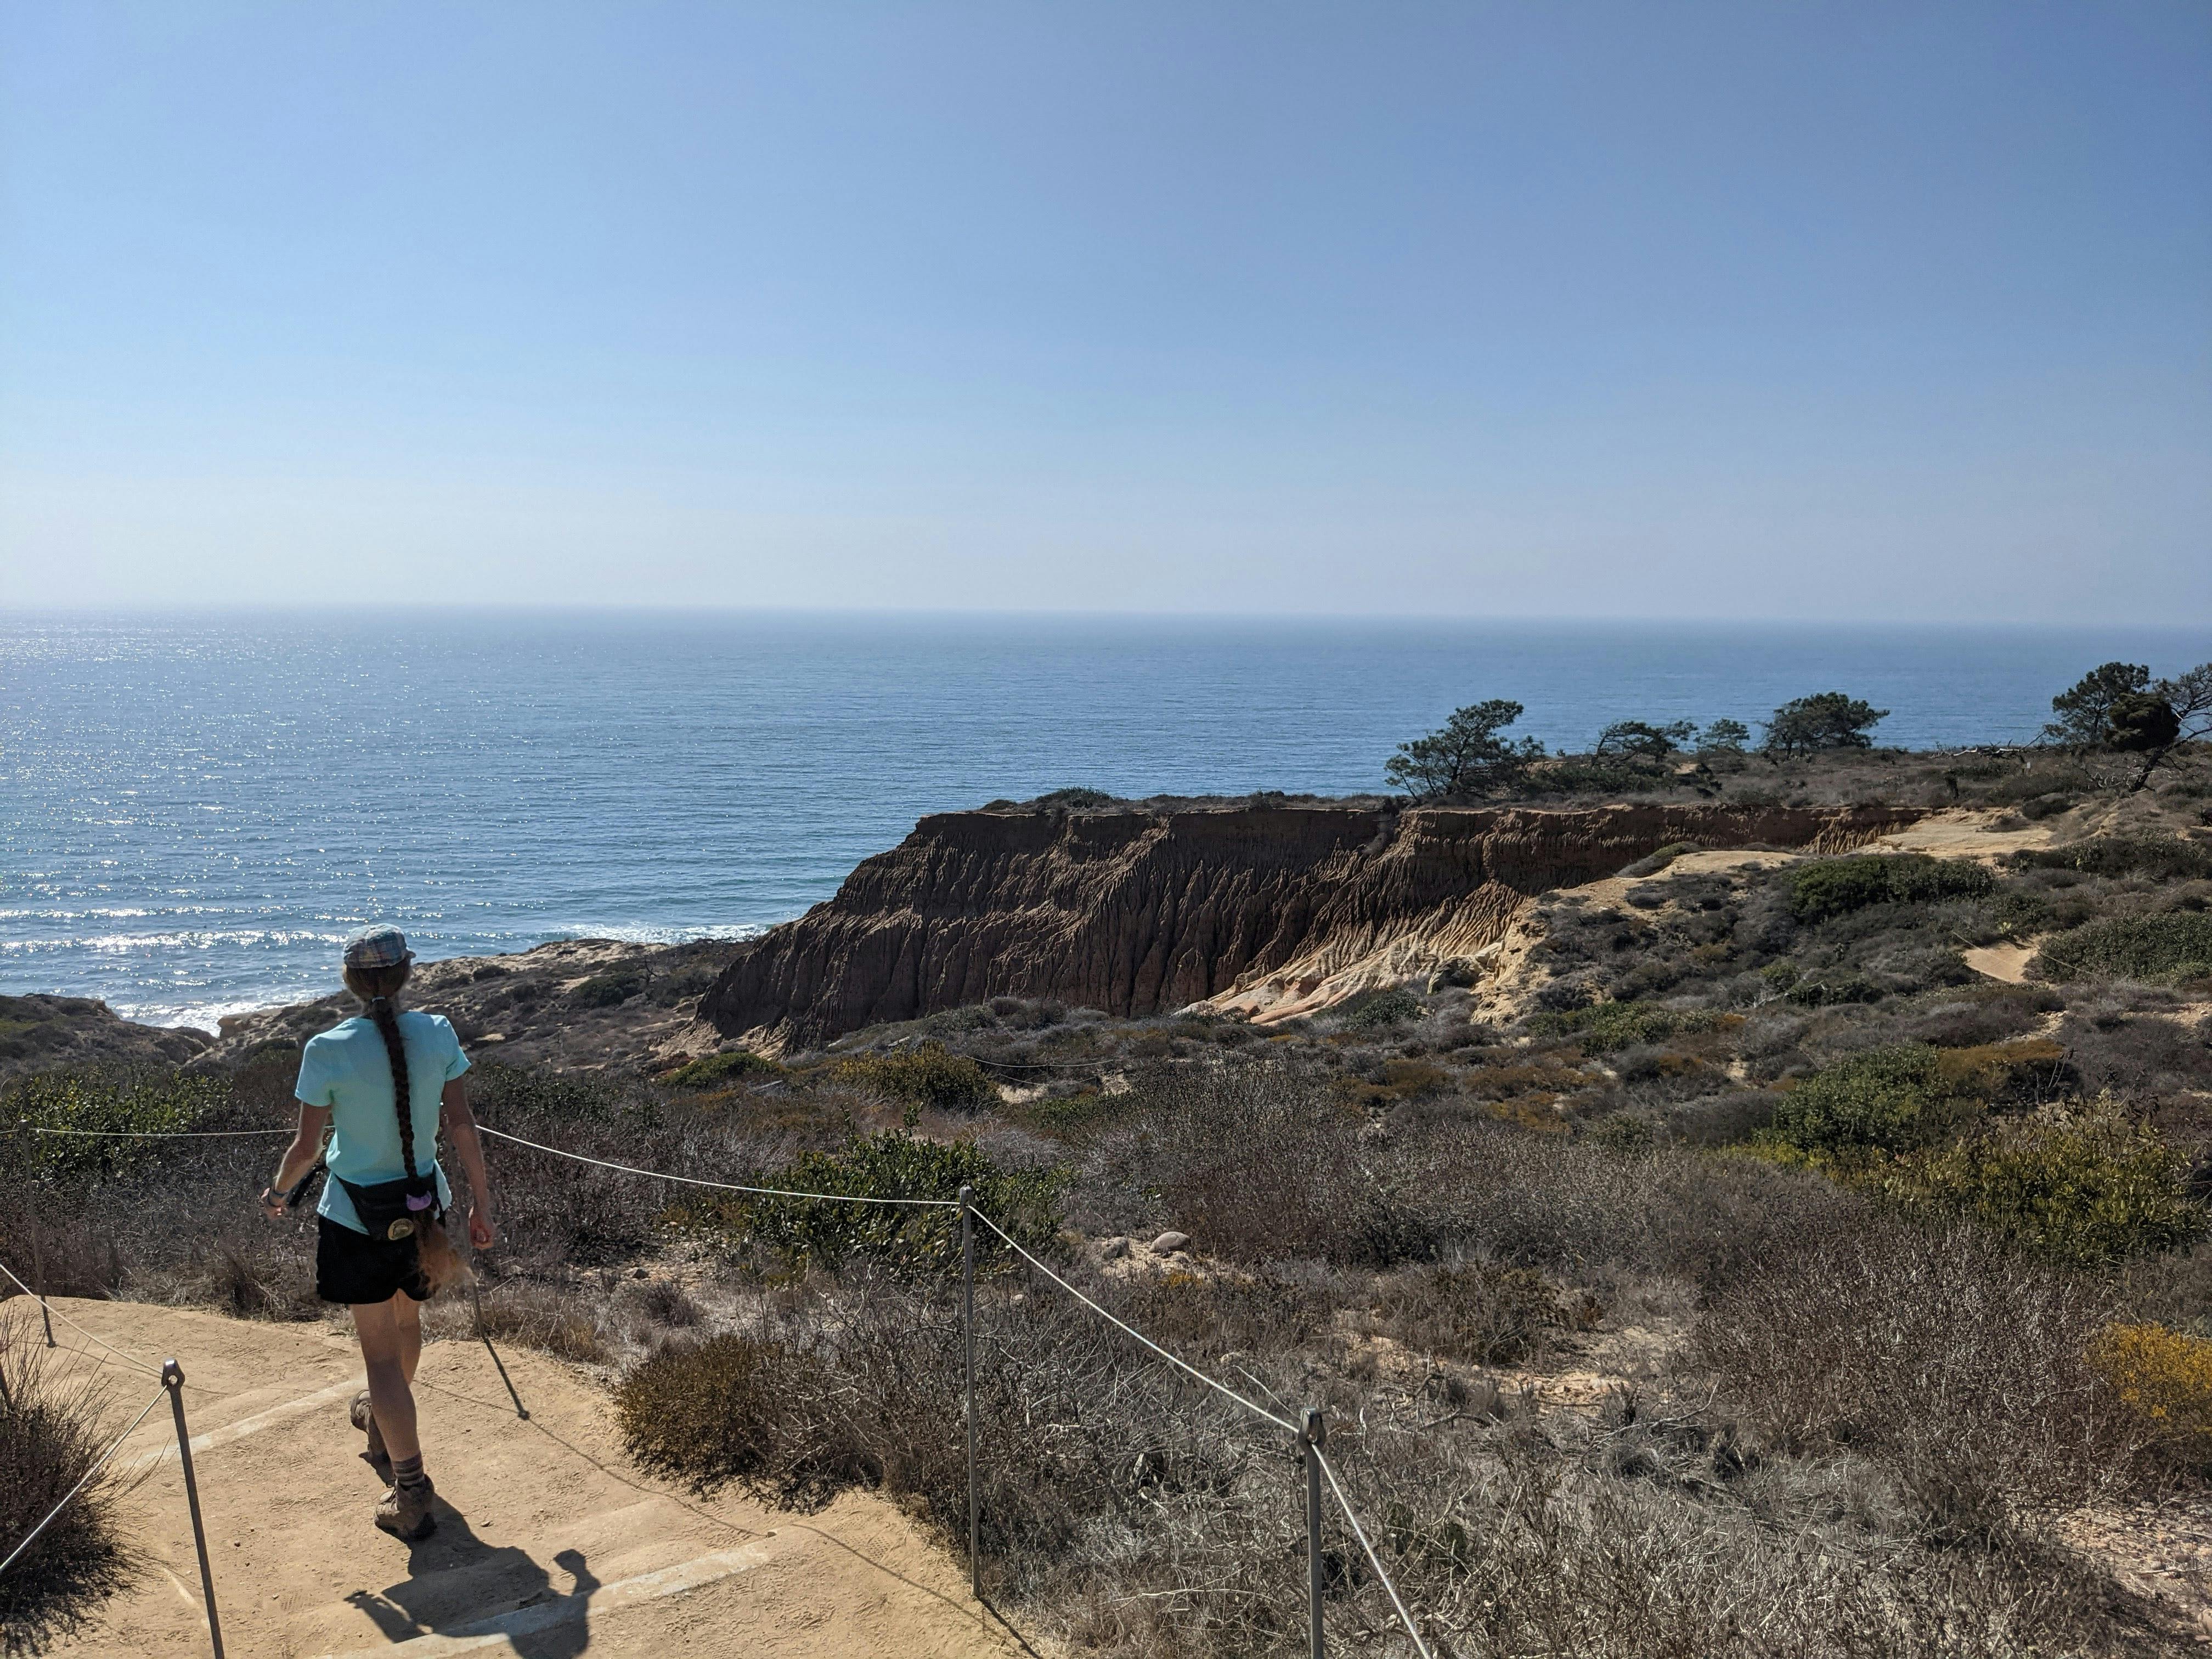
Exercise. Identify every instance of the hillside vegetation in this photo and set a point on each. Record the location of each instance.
(1729, 1266)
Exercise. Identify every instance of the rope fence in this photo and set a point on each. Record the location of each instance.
(98, 1463)
(720, 1186)
(1173, 1359)
(53, 1312)
(1308, 1438)
(159, 1135)
(1373, 1560)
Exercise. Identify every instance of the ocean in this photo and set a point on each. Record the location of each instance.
(197, 809)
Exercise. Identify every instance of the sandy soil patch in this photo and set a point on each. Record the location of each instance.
(2006, 962)
(549, 1543)
(2162, 1550)
(1960, 834)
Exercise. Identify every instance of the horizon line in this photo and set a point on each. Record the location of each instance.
(586, 610)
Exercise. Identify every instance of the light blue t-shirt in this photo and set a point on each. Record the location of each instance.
(347, 1070)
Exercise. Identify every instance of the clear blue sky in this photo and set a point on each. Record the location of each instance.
(1830, 311)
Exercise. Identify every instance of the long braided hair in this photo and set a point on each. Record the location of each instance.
(376, 987)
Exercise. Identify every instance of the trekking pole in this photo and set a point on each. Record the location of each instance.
(173, 1378)
(968, 1338)
(484, 1335)
(1316, 1436)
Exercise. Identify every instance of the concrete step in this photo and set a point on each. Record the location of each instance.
(549, 1542)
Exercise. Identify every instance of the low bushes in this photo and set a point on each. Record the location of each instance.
(929, 1077)
(1387, 1008)
(1604, 1026)
(1084, 1438)
(915, 1238)
(609, 988)
(1833, 887)
(140, 1101)
(50, 1436)
(1157, 1518)
(1652, 863)
(2174, 946)
(731, 1065)
(1886, 1100)
(2082, 1183)
(2085, 1184)
(1963, 1362)
(2167, 1378)
(2162, 858)
(1480, 1312)
(541, 1316)
(717, 1412)
(1906, 1095)
(1400, 1079)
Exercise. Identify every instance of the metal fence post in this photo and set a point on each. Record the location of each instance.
(173, 1378)
(968, 1342)
(1316, 1435)
(39, 1273)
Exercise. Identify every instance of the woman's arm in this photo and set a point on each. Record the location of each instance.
(460, 1127)
(299, 1158)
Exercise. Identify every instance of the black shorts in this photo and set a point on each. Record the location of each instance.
(351, 1267)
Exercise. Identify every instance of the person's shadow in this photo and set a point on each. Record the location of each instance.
(454, 1579)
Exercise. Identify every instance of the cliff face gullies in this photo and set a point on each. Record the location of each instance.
(1274, 911)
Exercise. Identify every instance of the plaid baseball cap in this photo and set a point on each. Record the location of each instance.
(378, 947)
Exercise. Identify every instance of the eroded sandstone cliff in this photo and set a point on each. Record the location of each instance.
(1273, 911)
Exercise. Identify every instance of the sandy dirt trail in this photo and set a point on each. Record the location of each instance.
(550, 1544)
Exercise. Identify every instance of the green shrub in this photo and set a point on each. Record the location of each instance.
(929, 1075)
(1604, 1026)
(896, 1164)
(1392, 1007)
(1897, 1100)
(708, 1414)
(1402, 1079)
(128, 1102)
(1834, 887)
(1840, 992)
(553, 1098)
(2084, 1183)
(1627, 1132)
(727, 1067)
(2175, 946)
(1652, 863)
(609, 988)
(1886, 1100)
(2163, 858)
(1076, 799)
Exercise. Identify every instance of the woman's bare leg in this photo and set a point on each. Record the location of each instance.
(407, 1312)
(391, 1346)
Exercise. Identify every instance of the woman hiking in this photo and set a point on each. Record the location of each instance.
(382, 1248)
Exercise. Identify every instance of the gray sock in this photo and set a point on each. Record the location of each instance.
(407, 1472)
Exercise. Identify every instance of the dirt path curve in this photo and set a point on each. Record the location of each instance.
(550, 1544)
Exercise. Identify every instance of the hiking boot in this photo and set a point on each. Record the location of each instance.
(364, 1419)
(406, 1513)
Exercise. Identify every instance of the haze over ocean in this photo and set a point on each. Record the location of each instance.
(197, 809)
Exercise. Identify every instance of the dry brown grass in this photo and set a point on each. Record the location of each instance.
(1963, 1365)
(54, 1426)
(1841, 1473)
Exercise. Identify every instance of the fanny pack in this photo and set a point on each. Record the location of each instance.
(395, 1209)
